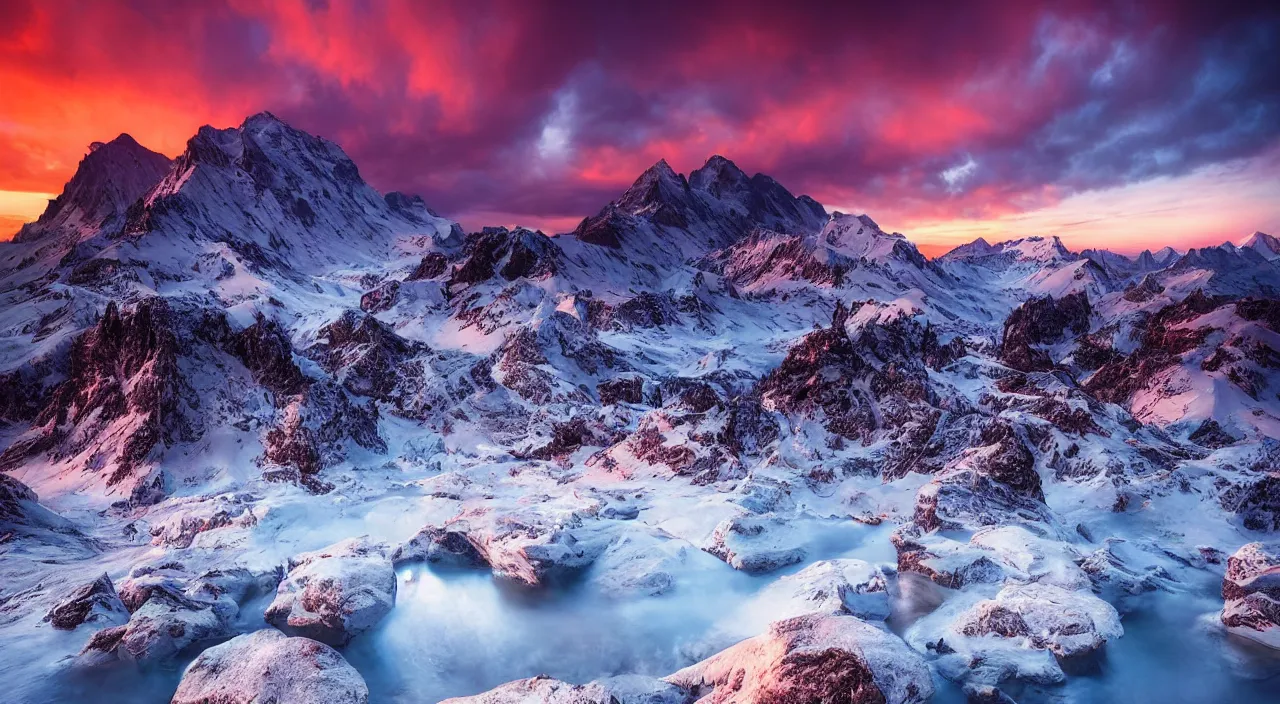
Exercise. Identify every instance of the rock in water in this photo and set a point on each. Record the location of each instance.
(833, 587)
(541, 689)
(96, 602)
(812, 658)
(1066, 623)
(1251, 592)
(624, 689)
(334, 594)
(268, 666)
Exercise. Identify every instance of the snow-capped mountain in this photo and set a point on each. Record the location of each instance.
(244, 391)
(1264, 244)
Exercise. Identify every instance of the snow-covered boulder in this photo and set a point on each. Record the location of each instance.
(447, 546)
(1064, 622)
(756, 544)
(94, 603)
(542, 690)
(167, 624)
(812, 658)
(268, 666)
(336, 593)
(830, 587)
(1020, 634)
(531, 545)
(623, 689)
(1251, 592)
(641, 689)
(946, 562)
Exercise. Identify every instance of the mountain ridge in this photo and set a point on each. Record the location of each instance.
(264, 377)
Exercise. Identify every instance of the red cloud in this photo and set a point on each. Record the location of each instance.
(858, 106)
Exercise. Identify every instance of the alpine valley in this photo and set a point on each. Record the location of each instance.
(270, 435)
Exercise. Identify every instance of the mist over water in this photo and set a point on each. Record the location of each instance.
(459, 632)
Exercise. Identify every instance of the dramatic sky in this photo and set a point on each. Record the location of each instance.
(1122, 124)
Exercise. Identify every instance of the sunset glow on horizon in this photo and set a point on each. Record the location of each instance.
(1117, 126)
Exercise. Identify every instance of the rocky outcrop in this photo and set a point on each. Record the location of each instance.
(380, 299)
(268, 666)
(123, 375)
(845, 586)
(1251, 594)
(511, 254)
(534, 546)
(334, 594)
(445, 546)
(1042, 321)
(820, 374)
(624, 689)
(163, 627)
(545, 360)
(1067, 623)
(364, 355)
(432, 266)
(620, 390)
(313, 431)
(264, 348)
(94, 603)
(755, 544)
(1163, 342)
(813, 658)
(1255, 502)
(1027, 633)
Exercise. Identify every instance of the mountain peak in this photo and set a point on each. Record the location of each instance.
(658, 185)
(123, 141)
(110, 177)
(721, 178)
(1264, 244)
(977, 248)
(262, 118)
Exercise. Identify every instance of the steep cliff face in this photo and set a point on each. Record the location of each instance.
(122, 399)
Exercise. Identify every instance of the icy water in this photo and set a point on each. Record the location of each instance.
(455, 633)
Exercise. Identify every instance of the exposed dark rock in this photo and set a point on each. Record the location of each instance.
(1255, 502)
(381, 298)
(95, 602)
(1265, 311)
(313, 432)
(647, 310)
(1210, 434)
(1162, 345)
(1144, 290)
(265, 350)
(1251, 592)
(567, 438)
(126, 365)
(366, 356)
(433, 265)
(513, 254)
(1042, 321)
(621, 390)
